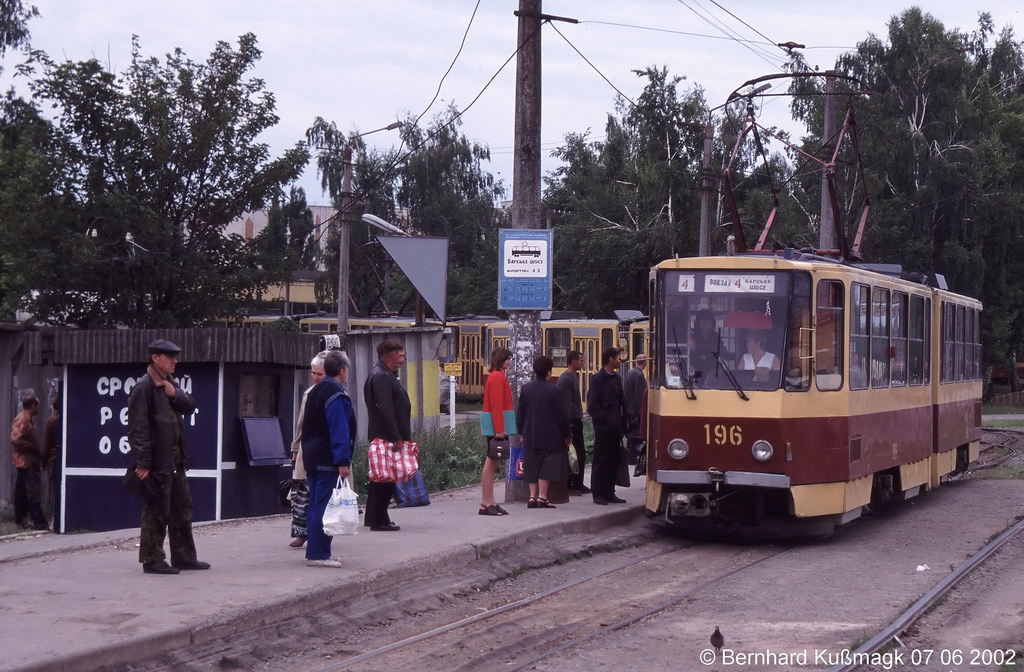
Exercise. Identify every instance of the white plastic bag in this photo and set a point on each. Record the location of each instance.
(342, 514)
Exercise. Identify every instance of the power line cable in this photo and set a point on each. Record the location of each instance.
(437, 93)
(595, 68)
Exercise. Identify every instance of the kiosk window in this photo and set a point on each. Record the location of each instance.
(264, 442)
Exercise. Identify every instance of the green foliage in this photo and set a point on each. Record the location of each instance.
(628, 202)
(941, 140)
(283, 324)
(14, 17)
(451, 460)
(439, 189)
(144, 171)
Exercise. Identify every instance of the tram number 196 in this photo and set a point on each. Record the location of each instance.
(723, 434)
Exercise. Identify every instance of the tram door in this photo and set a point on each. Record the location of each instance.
(471, 353)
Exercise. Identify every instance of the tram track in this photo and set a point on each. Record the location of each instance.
(890, 633)
(552, 621)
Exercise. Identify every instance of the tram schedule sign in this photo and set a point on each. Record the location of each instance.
(524, 269)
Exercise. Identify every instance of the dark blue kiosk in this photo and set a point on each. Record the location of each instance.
(245, 383)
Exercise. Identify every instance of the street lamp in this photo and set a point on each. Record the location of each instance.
(345, 222)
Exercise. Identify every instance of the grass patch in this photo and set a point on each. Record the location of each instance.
(1001, 422)
(1002, 473)
(989, 409)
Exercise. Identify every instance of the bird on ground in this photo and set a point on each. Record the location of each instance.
(717, 640)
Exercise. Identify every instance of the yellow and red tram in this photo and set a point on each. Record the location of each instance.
(812, 390)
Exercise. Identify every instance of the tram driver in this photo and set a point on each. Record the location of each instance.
(757, 359)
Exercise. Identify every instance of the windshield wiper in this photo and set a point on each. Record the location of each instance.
(685, 368)
(728, 373)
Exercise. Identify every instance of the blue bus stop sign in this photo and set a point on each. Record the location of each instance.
(524, 269)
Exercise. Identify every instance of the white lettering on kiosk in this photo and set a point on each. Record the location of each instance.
(111, 386)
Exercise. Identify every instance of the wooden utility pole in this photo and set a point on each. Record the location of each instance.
(524, 325)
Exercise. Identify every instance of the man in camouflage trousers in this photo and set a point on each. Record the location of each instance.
(156, 434)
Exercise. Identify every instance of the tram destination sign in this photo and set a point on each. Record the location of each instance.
(739, 284)
(524, 269)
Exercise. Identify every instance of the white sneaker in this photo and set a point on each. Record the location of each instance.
(325, 562)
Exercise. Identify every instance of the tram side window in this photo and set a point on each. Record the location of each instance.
(860, 336)
(975, 344)
(961, 327)
(557, 339)
(948, 342)
(828, 340)
(916, 345)
(899, 339)
(798, 349)
(880, 337)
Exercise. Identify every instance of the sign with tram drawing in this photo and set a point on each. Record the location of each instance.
(524, 269)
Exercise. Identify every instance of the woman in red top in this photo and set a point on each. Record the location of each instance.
(497, 400)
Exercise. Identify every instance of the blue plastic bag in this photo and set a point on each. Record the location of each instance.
(412, 492)
(515, 462)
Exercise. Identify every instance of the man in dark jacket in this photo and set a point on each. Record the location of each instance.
(156, 435)
(606, 406)
(389, 412)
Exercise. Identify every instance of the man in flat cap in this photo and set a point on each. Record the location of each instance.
(156, 434)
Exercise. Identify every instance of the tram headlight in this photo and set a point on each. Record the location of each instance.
(678, 449)
(762, 450)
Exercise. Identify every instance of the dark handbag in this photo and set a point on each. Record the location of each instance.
(622, 476)
(284, 493)
(498, 449)
(150, 488)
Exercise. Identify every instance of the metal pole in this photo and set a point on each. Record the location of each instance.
(345, 236)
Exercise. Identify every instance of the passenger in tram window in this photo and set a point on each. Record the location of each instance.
(757, 359)
(705, 340)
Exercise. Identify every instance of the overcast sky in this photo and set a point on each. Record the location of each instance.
(365, 64)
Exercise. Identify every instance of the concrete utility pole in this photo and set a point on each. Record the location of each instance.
(345, 224)
(706, 189)
(524, 325)
(826, 237)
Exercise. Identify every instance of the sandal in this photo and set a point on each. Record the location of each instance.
(545, 504)
(533, 503)
(501, 510)
(492, 510)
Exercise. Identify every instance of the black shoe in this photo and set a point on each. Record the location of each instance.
(616, 500)
(158, 567)
(192, 564)
(600, 500)
(584, 490)
(390, 527)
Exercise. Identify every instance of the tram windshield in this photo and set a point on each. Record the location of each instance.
(722, 321)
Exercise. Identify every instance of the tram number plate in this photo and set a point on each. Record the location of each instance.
(722, 435)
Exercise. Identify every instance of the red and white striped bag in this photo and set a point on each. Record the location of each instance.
(392, 462)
